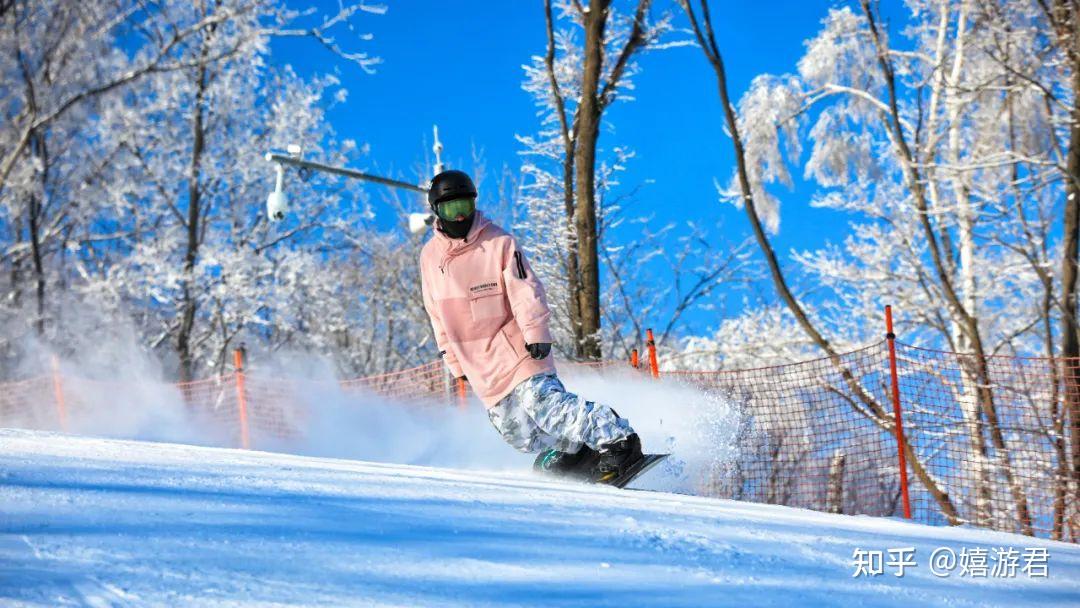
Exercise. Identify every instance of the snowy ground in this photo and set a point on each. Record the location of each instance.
(112, 523)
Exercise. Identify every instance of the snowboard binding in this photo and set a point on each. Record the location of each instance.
(574, 465)
(615, 465)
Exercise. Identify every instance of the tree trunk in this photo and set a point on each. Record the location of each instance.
(36, 211)
(16, 281)
(1064, 17)
(189, 304)
(573, 269)
(1070, 346)
(569, 141)
(834, 500)
(579, 142)
(588, 133)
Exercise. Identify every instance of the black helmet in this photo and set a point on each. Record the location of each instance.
(450, 185)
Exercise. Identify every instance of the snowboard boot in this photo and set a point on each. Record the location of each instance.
(616, 458)
(567, 464)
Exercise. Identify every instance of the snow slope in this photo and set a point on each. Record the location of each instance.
(103, 522)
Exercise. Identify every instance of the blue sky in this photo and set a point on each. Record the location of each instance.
(458, 64)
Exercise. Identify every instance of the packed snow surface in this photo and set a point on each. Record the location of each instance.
(103, 522)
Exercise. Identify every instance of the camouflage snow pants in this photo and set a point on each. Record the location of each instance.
(541, 414)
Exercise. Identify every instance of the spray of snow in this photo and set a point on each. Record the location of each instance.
(112, 386)
(137, 403)
(698, 429)
(363, 426)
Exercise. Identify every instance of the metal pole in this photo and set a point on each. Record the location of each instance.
(654, 366)
(437, 149)
(890, 337)
(285, 159)
(463, 401)
(241, 397)
(58, 391)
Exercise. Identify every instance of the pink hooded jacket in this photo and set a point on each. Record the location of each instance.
(485, 304)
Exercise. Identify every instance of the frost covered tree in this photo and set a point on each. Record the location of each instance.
(59, 60)
(948, 145)
(574, 82)
(1064, 18)
(153, 201)
(208, 267)
(607, 272)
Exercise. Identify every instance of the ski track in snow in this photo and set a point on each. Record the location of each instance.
(98, 522)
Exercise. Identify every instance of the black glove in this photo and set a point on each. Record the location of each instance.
(539, 351)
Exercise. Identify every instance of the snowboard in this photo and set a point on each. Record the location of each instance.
(582, 470)
(638, 469)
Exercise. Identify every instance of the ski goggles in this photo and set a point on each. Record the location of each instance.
(454, 208)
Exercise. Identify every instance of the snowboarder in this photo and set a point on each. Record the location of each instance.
(490, 317)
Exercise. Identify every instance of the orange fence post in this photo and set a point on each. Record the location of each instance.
(654, 367)
(463, 401)
(635, 359)
(241, 397)
(890, 337)
(58, 391)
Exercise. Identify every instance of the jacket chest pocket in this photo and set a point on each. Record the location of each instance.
(488, 303)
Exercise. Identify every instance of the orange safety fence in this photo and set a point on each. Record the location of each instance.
(426, 381)
(822, 435)
(31, 404)
(985, 442)
(994, 434)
